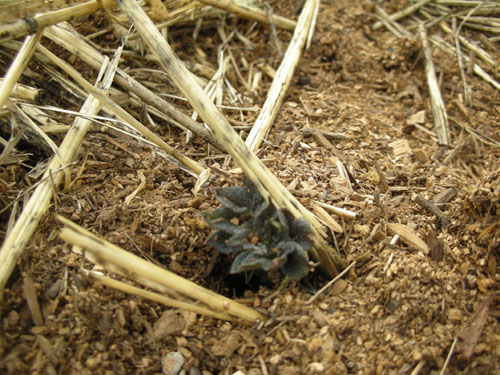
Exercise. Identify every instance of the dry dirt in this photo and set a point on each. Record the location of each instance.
(398, 311)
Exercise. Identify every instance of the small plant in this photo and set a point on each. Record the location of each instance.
(257, 234)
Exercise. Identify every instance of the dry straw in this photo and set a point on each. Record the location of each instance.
(114, 258)
(267, 184)
(282, 78)
(251, 12)
(67, 38)
(34, 24)
(37, 205)
(437, 105)
(191, 164)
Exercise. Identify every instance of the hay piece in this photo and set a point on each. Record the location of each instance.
(267, 184)
(282, 79)
(251, 13)
(146, 273)
(38, 203)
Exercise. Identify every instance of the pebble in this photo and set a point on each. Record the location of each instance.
(172, 363)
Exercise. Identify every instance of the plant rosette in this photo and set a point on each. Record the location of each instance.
(260, 236)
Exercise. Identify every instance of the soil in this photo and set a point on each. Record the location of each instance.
(400, 308)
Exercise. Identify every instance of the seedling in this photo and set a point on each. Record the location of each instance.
(260, 236)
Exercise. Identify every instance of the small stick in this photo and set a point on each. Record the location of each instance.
(431, 208)
(330, 283)
(437, 104)
(402, 13)
(251, 12)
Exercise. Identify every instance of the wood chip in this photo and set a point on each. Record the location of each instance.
(31, 296)
(408, 236)
(417, 118)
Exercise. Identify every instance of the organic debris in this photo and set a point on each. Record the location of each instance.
(354, 134)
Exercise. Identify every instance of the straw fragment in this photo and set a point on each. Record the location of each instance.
(121, 113)
(108, 255)
(282, 79)
(74, 43)
(403, 13)
(267, 184)
(38, 203)
(437, 104)
(18, 65)
(251, 12)
(443, 45)
(31, 25)
(152, 296)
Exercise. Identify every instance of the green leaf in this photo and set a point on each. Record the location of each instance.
(221, 213)
(251, 260)
(225, 226)
(219, 240)
(296, 266)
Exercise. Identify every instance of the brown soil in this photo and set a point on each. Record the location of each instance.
(397, 309)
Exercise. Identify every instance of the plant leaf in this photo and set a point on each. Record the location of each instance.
(250, 260)
(221, 213)
(296, 266)
(219, 240)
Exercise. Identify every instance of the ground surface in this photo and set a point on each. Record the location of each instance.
(398, 308)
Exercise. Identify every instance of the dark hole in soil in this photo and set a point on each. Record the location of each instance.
(235, 285)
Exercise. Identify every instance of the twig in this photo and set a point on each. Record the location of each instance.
(437, 105)
(431, 208)
(330, 283)
(282, 79)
